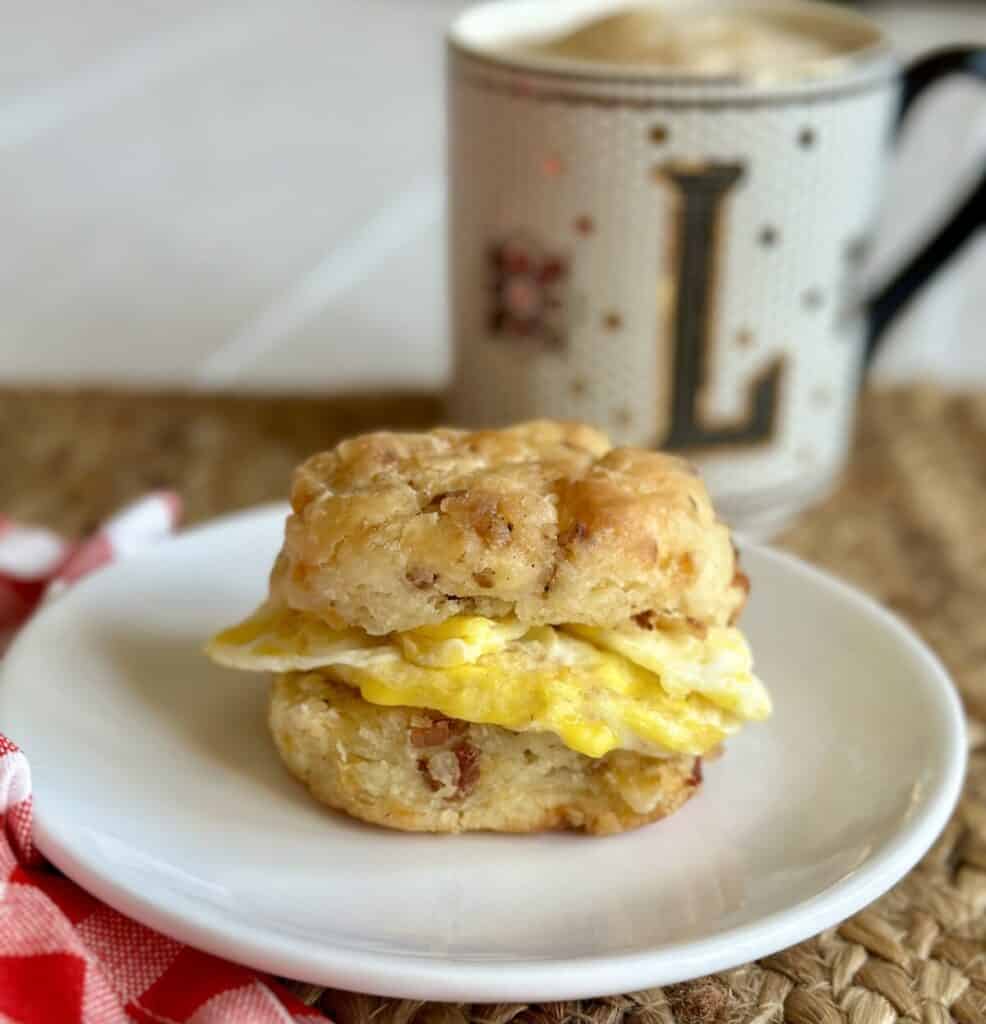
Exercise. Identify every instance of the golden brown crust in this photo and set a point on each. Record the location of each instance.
(415, 770)
(544, 521)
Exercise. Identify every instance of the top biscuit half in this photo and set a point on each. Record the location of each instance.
(545, 522)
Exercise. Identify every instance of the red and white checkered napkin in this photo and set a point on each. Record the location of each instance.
(66, 958)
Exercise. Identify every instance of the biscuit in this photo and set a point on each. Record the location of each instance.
(544, 521)
(418, 771)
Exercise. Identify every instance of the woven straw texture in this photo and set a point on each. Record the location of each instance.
(908, 525)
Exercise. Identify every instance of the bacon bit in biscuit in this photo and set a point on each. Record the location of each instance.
(576, 532)
(484, 578)
(421, 578)
(485, 518)
(455, 771)
(434, 735)
(550, 580)
(441, 772)
(424, 766)
(651, 619)
(468, 757)
(695, 779)
(686, 565)
(480, 510)
(437, 733)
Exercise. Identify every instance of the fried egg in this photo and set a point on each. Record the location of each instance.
(656, 691)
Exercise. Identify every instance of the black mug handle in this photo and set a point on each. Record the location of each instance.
(885, 304)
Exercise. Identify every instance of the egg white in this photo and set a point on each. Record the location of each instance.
(657, 691)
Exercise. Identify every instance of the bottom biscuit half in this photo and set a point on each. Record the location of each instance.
(410, 769)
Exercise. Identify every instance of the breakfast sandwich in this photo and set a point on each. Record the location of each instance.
(509, 630)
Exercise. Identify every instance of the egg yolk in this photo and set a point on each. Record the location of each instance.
(654, 691)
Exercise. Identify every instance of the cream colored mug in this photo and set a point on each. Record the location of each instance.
(656, 217)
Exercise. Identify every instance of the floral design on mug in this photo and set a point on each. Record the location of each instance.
(528, 287)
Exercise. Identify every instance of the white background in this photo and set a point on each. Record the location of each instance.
(250, 195)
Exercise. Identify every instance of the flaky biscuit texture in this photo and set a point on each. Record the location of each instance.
(544, 521)
(416, 770)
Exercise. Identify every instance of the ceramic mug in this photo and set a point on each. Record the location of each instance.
(673, 257)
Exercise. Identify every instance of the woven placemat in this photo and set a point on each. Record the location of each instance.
(908, 525)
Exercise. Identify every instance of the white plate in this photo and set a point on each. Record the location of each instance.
(157, 788)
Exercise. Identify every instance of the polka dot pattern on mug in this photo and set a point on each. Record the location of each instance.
(769, 236)
(777, 263)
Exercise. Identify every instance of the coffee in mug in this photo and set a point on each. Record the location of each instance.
(657, 213)
(697, 41)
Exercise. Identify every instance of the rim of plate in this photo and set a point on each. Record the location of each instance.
(421, 976)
